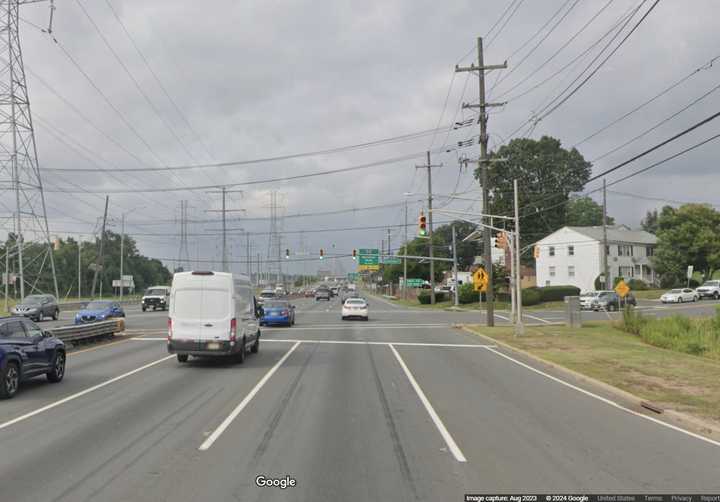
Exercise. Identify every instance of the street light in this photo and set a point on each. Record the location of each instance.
(122, 247)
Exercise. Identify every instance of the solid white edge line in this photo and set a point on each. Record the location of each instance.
(502, 317)
(457, 453)
(81, 393)
(238, 409)
(605, 400)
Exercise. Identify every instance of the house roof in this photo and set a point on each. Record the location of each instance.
(619, 233)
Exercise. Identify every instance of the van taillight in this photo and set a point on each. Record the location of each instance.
(169, 335)
(233, 329)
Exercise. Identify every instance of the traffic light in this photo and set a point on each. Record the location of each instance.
(354, 254)
(322, 253)
(501, 240)
(422, 225)
(287, 254)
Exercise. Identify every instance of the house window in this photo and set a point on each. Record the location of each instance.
(571, 250)
(649, 251)
(607, 250)
(571, 271)
(552, 251)
(625, 250)
(626, 271)
(552, 271)
(637, 270)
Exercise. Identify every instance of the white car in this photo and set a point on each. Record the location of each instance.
(355, 308)
(679, 296)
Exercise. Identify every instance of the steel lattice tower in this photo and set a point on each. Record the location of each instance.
(183, 253)
(20, 180)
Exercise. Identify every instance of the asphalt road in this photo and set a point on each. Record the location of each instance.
(402, 407)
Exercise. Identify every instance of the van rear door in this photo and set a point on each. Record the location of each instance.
(202, 310)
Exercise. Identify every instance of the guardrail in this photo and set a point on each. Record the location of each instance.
(78, 305)
(86, 332)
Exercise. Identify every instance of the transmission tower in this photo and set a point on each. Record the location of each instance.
(19, 170)
(274, 264)
(183, 253)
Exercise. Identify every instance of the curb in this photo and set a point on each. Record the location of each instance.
(677, 418)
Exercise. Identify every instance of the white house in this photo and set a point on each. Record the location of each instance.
(572, 256)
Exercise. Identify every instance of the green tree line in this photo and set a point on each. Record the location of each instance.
(146, 271)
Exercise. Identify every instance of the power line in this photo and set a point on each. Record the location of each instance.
(672, 86)
(507, 20)
(661, 199)
(542, 114)
(157, 79)
(664, 121)
(558, 51)
(357, 146)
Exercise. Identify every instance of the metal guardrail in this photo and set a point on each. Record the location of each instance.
(78, 305)
(85, 332)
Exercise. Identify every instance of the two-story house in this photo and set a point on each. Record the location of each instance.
(573, 256)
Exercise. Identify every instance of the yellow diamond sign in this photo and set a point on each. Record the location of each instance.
(480, 280)
(622, 289)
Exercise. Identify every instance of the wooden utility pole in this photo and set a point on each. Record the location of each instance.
(483, 165)
(431, 253)
(606, 268)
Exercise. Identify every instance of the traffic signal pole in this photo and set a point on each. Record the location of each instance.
(429, 167)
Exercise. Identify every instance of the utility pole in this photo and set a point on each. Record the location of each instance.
(483, 165)
(224, 191)
(99, 261)
(79, 267)
(519, 327)
(247, 255)
(7, 273)
(606, 268)
(431, 253)
(455, 267)
(405, 252)
(122, 252)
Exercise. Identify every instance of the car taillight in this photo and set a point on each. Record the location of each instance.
(169, 335)
(284, 312)
(233, 330)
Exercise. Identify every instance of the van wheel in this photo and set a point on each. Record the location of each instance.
(182, 358)
(240, 356)
(256, 346)
(56, 315)
(144, 308)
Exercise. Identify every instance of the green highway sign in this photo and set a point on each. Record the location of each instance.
(391, 260)
(369, 259)
(352, 276)
(414, 283)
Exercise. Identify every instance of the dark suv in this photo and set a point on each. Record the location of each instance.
(38, 307)
(27, 351)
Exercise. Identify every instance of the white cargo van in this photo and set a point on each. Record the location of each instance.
(212, 314)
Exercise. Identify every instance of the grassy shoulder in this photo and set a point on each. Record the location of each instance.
(479, 306)
(650, 294)
(677, 381)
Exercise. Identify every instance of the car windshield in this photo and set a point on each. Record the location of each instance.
(33, 300)
(355, 302)
(267, 294)
(97, 305)
(673, 291)
(711, 284)
(155, 292)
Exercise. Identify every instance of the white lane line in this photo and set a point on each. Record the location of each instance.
(81, 393)
(452, 445)
(238, 409)
(354, 342)
(343, 327)
(537, 318)
(503, 317)
(604, 400)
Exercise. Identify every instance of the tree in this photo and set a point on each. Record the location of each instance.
(650, 222)
(585, 212)
(688, 235)
(547, 174)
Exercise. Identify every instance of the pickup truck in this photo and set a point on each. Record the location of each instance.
(710, 289)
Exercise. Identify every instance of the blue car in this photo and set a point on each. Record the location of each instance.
(27, 351)
(278, 312)
(99, 310)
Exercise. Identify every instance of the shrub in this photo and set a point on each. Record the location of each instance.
(557, 293)
(638, 285)
(467, 294)
(424, 297)
(531, 296)
(632, 320)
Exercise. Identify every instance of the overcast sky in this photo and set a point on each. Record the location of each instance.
(258, 79)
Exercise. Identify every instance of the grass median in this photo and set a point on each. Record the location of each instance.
(480, 306)
(673, 380)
